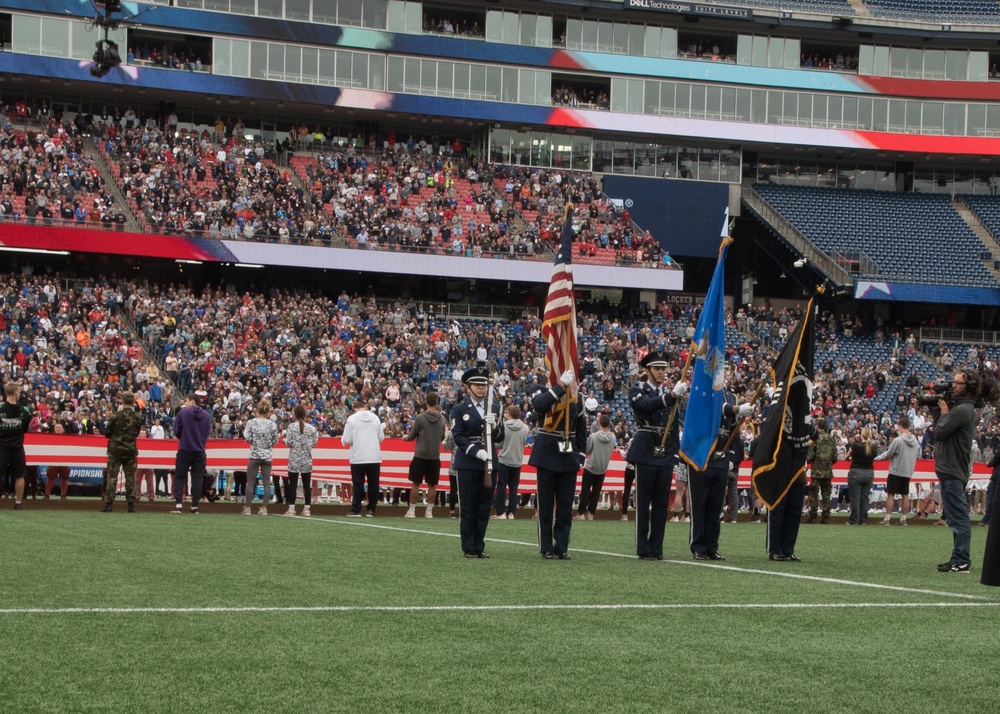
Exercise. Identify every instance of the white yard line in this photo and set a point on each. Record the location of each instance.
(477, 608)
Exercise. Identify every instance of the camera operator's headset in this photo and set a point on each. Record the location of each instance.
(984, 391)
(973, 382)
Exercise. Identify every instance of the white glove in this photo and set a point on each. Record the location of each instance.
(680, 389)
(745, 410)
(567, 377)
(482, 456)
(491, 419)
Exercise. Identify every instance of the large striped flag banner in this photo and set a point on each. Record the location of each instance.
(559, 326)
(331, 461)
(708, 379)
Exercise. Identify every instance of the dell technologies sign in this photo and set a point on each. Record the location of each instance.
(689, 8)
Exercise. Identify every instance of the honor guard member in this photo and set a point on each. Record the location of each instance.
(557, 457)
(469, 422)
(653, 456)
(708, 487)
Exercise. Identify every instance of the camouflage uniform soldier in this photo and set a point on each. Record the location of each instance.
(122, 431)
(822, 454)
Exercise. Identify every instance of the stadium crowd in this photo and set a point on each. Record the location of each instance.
(47, 177)
(75, 345)
(413, 195)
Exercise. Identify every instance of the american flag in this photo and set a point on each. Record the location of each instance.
(559, 324)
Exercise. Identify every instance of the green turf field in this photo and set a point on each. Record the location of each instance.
(222, 613)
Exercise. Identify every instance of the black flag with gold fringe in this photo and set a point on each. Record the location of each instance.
(780, 455)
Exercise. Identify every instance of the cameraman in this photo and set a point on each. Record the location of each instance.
(953, 433)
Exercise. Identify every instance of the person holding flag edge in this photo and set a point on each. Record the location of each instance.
(561, 435)
(711, 418)
(779, 461)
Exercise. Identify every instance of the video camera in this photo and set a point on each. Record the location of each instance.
(935, 392)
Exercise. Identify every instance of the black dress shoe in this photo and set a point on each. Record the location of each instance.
(715, 556)
(470, 554)
(654, 557)
(645, 556)
(483, 554)
(564, 556)
(778, 557)
(793, 558)
(701, 556)
(549, 555)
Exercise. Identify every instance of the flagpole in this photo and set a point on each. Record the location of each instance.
(569, 396)
(739, 425)
(677, 401)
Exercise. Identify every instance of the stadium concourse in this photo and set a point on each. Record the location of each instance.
(75, 343)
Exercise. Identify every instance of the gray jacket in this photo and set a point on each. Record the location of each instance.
(953, 433)
(428, 431)
(904, 452)
(514, 437)
(600, 446)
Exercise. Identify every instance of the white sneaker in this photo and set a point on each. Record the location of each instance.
(290, 511)
(675, 519)
(262, 511)
(429, 513)
(510, 516)
(410, 512)
(305, 511)
(902, 521)
(246, 511)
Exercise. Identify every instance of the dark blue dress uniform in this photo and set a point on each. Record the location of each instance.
(468, 429)
(557, 466)
(708, 488)
(653, 469)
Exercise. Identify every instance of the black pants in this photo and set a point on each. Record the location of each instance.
(239, 484)
(293, 486)
(474, 499)
(652, 493)
(508, 479)
(627, 487)
(162, 477)
(192, 462)
(555, 491)
(708, 494)
(784, 519)
(451, 497)
(360, 472)
(590, 492)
